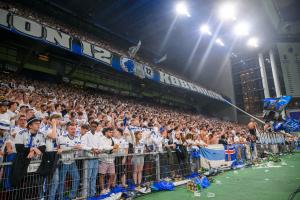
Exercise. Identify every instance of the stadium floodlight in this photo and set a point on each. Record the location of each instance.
(220, 42)
(205, 29)
(227, 11)
(253, 42)
(182, 9)
(241, 29)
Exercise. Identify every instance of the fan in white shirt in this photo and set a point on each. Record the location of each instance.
(121, 166)
(91, 142)
(69, 143)
(51, 133)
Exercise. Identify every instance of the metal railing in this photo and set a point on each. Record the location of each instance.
(84, 176)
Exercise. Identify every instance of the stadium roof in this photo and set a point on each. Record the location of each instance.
(151, 20)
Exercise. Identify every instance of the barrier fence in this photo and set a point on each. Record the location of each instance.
(84, 177)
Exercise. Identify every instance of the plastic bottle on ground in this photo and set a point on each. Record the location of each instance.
(211, 195)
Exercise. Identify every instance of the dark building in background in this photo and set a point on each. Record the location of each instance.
(283, 23)
(249, 92)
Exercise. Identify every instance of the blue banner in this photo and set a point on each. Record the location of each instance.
(49, 35)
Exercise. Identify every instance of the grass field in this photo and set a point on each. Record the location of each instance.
(265, 183)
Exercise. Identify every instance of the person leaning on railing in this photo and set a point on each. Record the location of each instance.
(166, 157)
(30, 145)
(49, 164)
(107, 166)
(4, 126)
(121, 159)
(91, 144)
(69, 144)
(7, 147)
(139, 147)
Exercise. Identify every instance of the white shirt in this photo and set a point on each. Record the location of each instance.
(236, 139)
(123, 144)
(106, 145)
(139, 147)
(12, 116)
(67, 143)
(12, 138)
(79, 122)
(99, 132)
(51, 144)
(30, 140)
(40, 114)
(90, 141)
(5, 121)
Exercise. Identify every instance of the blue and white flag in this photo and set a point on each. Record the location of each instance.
(213, 156)
(134, 49)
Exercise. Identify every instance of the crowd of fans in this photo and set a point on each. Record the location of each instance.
(39, 117)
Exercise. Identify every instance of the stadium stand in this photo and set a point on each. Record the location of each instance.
(60, 140)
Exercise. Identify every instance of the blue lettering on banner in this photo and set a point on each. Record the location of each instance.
(151, 73)
(127, 65)
(37, 31)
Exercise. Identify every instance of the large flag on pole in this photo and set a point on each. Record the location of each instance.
(134, 49)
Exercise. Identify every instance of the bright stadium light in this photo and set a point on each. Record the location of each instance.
(205, 29)
(182, 9)
(227, 11)
(241, 29)
(253, 42)
(220, 42)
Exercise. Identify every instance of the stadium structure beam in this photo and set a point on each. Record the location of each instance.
(275, 73)
(263, 73)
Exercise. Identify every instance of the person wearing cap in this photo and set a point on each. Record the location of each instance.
(31, 139)
(69, 145)
(90, 143)
(30, 145)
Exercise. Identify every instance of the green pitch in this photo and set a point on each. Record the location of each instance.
(267, 182)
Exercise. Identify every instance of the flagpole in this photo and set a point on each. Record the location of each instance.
(244, 112)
